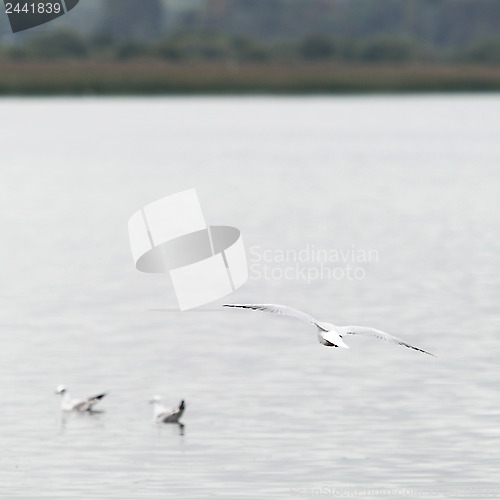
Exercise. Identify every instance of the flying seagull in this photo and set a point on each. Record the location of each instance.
(329, 335)
(162, 415)
(82, 405)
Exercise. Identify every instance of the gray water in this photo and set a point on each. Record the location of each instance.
(413, 182)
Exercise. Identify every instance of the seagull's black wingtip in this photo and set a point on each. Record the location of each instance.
(417, 349)
(425, 352)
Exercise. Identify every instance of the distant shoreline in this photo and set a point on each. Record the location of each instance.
(144, 77)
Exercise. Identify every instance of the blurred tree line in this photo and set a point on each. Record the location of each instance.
(202, 46)
(445, 23)
(365, 31)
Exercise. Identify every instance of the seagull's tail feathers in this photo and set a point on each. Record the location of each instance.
(331, 338)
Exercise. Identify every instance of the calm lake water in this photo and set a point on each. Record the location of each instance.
(401, 194)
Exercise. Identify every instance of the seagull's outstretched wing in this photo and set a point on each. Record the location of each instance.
(281, 310)
(379, 334)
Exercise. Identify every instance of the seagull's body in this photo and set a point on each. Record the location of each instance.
(329, 335)
(80, 405)
(163, 415)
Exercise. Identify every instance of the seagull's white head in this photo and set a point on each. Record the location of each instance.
(155, 399)
(61, 389)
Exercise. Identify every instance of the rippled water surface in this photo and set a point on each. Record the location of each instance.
(404, 189)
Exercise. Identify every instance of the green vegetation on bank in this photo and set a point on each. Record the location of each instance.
(215, 47)
(157, 77)
(193, 62)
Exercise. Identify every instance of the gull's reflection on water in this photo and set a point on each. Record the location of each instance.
(94, 415)
(181, 427)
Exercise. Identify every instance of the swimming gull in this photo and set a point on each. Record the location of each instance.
(82, 405)
(161, 414)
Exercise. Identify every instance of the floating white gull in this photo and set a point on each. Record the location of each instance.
(328, 334)
(82, 405)
(161, 414)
